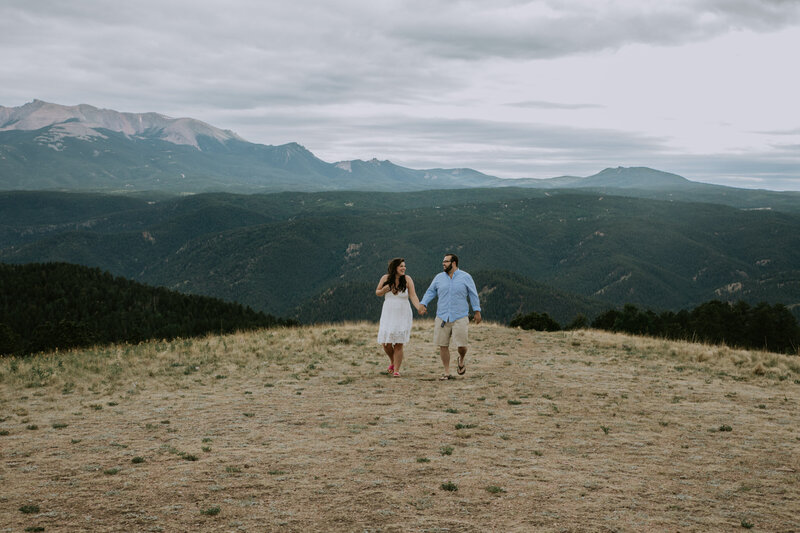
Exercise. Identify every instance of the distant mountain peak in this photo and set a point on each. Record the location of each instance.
(633, 178)
(83, 121)
(296, 148)
(374, 162)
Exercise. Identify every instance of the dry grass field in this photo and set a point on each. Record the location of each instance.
(303, 430)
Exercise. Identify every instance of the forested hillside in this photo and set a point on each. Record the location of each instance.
(293, 252)
(760, 327)
(48, 306)
(503, 295)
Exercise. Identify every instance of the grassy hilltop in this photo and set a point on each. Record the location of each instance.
(301, 429)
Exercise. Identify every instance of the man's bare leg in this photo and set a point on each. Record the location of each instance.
(444, 353)
(462, 354)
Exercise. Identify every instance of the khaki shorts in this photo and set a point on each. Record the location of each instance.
(456, 330)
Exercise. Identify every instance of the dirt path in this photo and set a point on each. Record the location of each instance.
(302, 430)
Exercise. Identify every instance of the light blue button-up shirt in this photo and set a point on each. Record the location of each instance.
(453, 293)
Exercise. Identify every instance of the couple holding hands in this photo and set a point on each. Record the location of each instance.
(455, 290)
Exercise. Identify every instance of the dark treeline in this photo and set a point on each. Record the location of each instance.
(763, 327)
(46, 306)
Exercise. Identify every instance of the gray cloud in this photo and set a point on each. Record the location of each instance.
(301, 52)
(475, 29)
(539, 104)
(794, 131)
(341, 51)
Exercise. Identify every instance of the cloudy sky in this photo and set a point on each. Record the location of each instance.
(707, 89)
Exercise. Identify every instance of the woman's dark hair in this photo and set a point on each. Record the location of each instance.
(395, 282)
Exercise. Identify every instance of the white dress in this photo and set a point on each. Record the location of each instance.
(396, 317)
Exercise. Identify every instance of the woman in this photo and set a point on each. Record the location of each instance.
(395, 328)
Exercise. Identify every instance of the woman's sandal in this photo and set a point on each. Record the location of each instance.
(390, 369)
(396, 374)
(445, 377)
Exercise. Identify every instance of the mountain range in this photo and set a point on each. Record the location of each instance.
(46, 146)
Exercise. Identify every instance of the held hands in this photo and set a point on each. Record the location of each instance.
(421, 309)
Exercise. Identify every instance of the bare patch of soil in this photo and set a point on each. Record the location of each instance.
(302, 429)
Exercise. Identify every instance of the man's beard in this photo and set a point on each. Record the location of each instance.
(448, 268)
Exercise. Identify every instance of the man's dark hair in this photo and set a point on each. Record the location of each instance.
(453, 258)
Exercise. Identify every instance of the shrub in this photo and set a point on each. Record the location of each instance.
(539, 322)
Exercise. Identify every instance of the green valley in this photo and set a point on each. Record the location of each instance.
(317, 256)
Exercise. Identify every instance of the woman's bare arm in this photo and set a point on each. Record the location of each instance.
(383, 287)
(412, 293)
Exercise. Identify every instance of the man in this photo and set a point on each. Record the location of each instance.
(456, 291)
